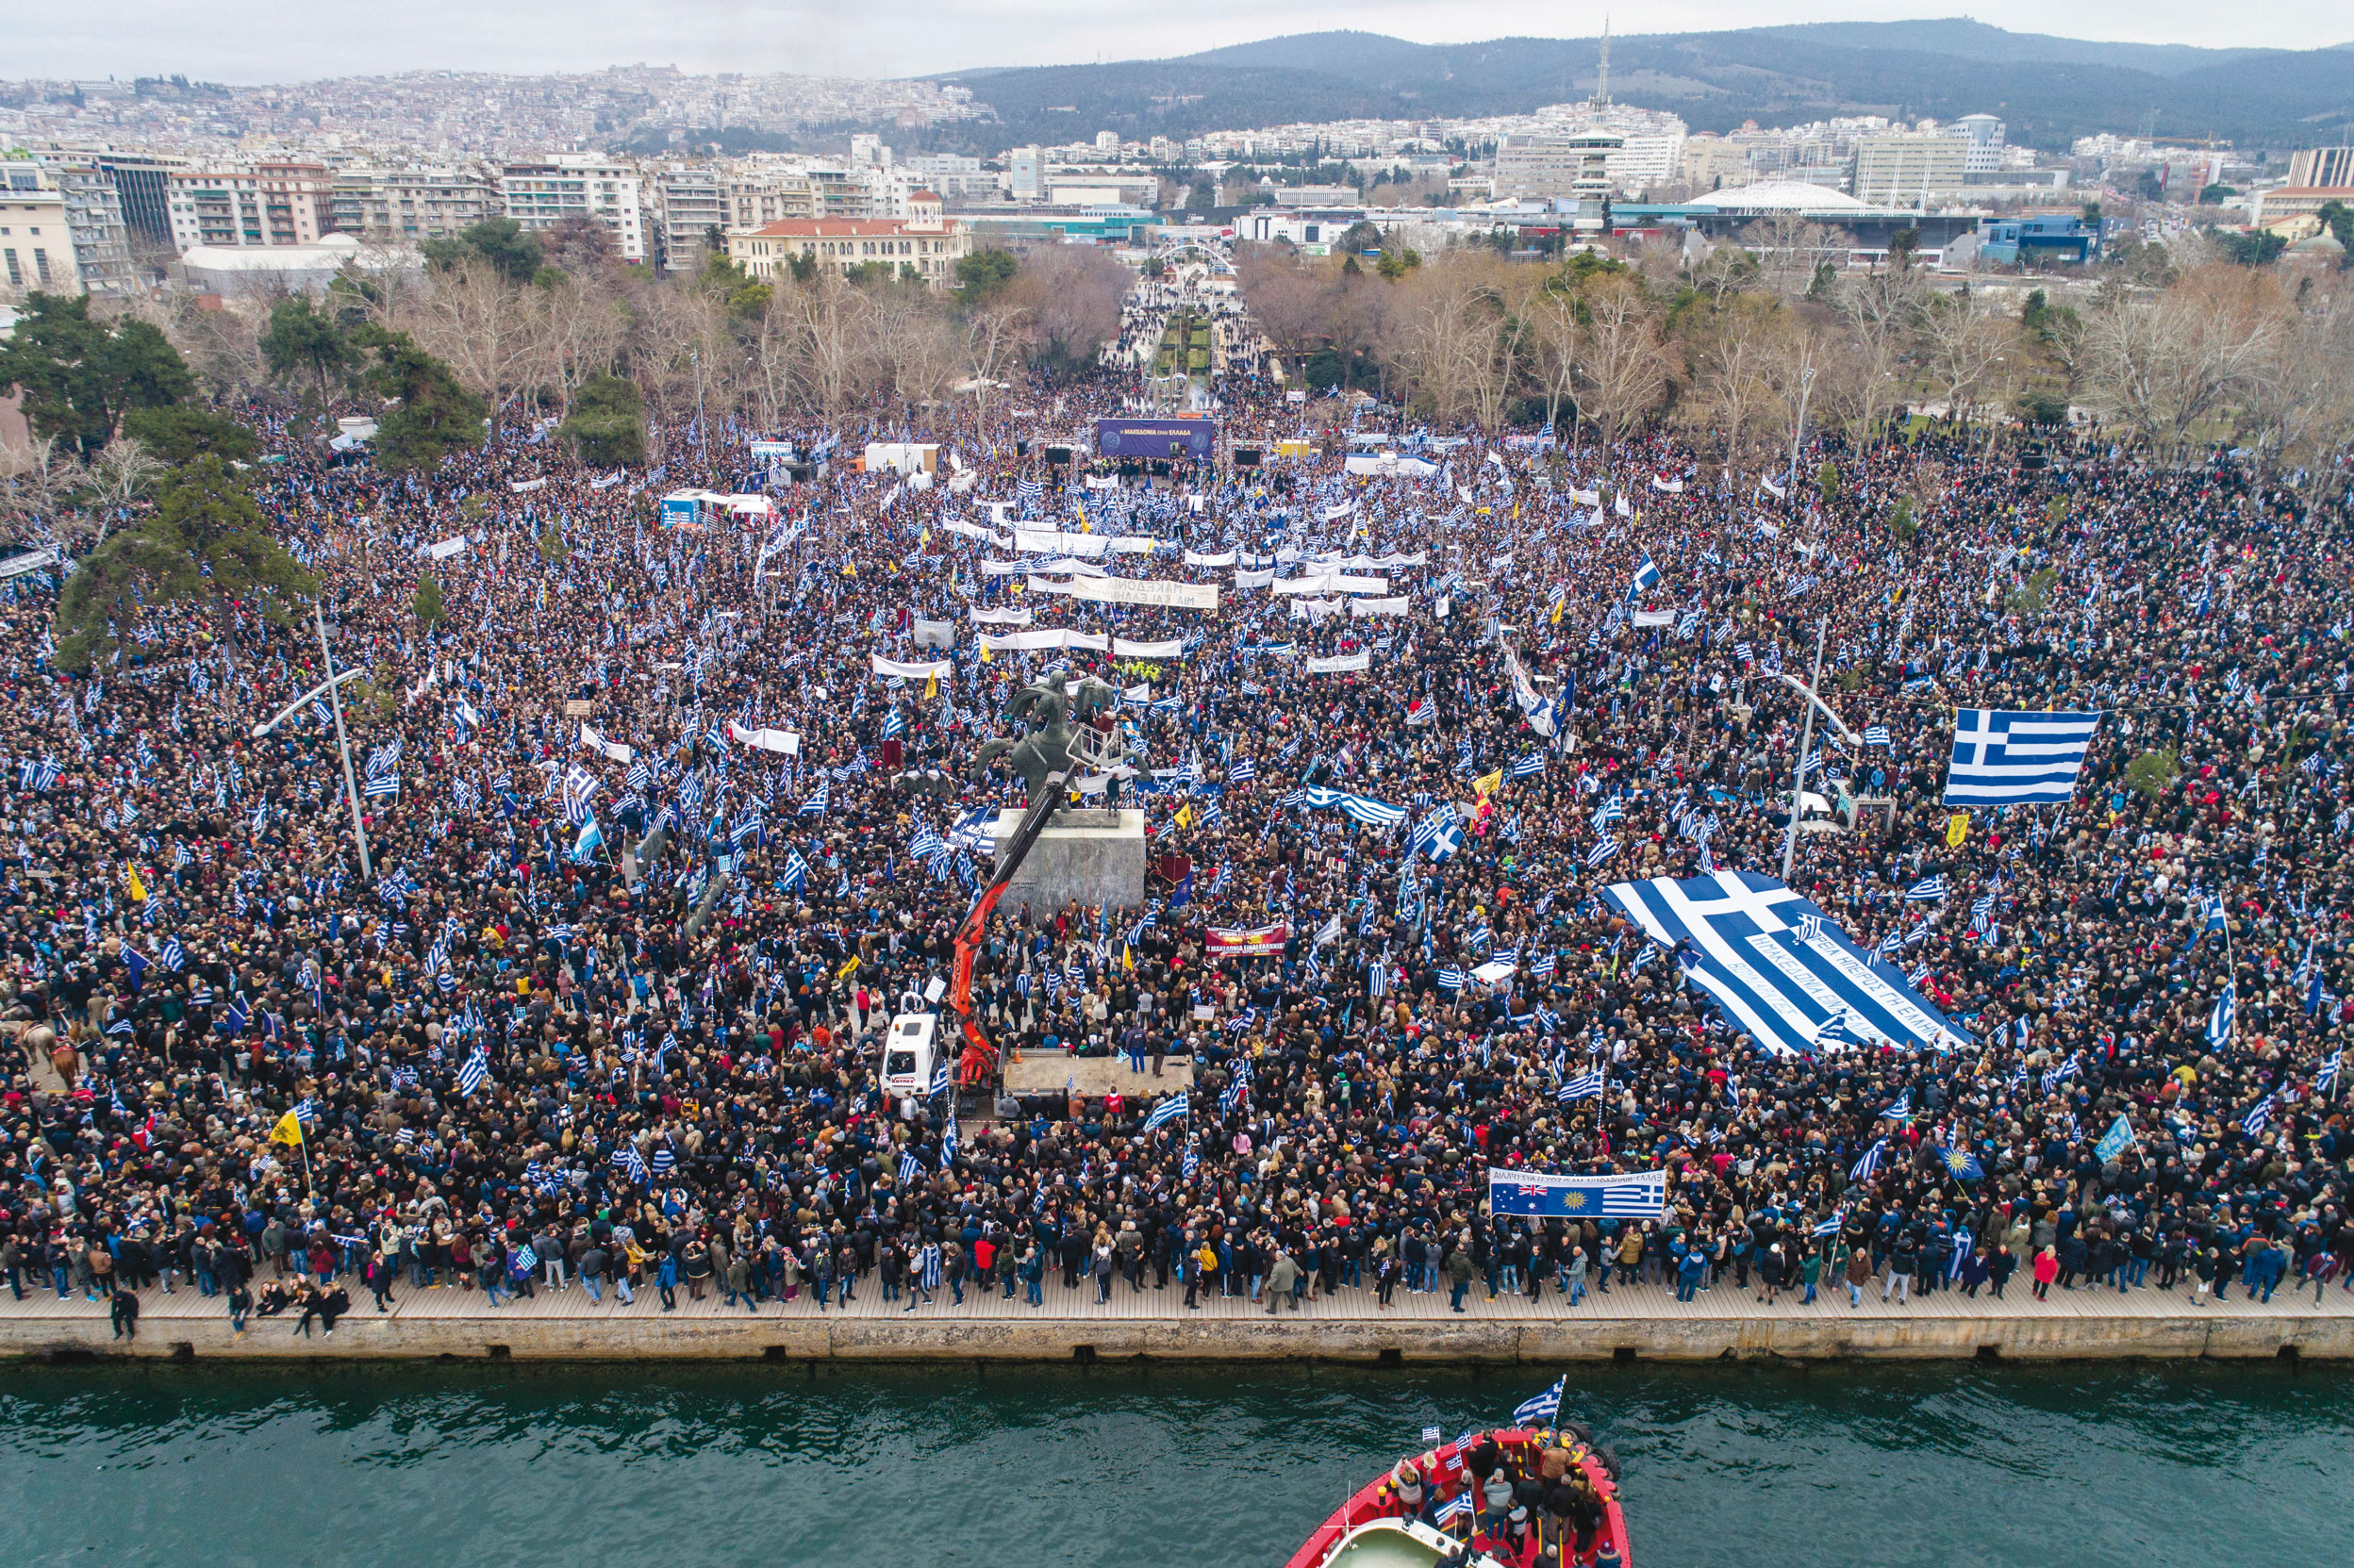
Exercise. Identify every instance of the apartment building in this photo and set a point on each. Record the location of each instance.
(758, 193)
(36, 242)
(542, 192)
(2313, 167)
(410, 204)
(929, 246)
(1909, 168)
(252, 205)
(688, 205)
(93, 220)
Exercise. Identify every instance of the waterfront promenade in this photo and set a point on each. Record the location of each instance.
(1642, 1321)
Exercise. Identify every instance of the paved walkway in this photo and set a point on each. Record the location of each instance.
(159, 1309)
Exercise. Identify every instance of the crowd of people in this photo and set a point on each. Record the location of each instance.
(516, 1050)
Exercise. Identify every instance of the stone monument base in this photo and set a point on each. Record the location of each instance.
(1088, 857)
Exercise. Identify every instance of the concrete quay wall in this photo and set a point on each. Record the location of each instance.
(364, 1336)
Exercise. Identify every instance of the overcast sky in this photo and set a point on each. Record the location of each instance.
(274, 41)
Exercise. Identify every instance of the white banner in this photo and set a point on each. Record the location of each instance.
(1169, 650)
(1333, 584)
(942, 668)
(1056, 637)
(934, 634)
(1255, 579)
(1195, 558)
(1673, 487)
(784, 741)
(612, 749)
(1043, 541)
(1316, 609)
(974, 530)
(1365, 609)
(1586, 498)
(1654, 618)
(443, 551)
(1001, 618)
(1124, 590)
(520, 486)
(1341, 664)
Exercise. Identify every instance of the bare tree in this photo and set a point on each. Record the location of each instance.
(125, 472)
(2167, 367)
(1733, 388)
(1624, 365)
(1964, 342)
(1790, 250)
(485, 328)
(38, 479)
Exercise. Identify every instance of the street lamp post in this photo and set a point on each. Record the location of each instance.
(1806, 390)
(1806, 738)
(343, 743)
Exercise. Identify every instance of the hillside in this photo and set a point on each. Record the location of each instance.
(2050, 89)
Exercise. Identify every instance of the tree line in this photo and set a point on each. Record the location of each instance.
(2174, 349)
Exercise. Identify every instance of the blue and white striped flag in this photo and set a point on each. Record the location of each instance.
(1176, 1105)
(476, 1073)
(2006, 758)
(1540, 1410)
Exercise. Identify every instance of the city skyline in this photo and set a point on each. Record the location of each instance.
(130, 37)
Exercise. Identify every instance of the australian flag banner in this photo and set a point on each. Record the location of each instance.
(1643, 1195)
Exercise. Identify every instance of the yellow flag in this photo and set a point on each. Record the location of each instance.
(289, 1130)
(1127, 958)
(138, 888)
(1490, 784)
(984, 655)
(1557, 609)
(1957, 828)
(1184, 815)
(932, 687)
(850, 968)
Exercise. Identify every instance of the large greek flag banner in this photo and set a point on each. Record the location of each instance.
(1643, 1195)
(2003, 758)
(1780, 970)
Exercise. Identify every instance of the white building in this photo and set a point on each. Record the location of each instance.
(690, 205)
(257, 205)
(545, 192)
(35, 245)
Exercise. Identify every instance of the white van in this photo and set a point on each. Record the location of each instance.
(909, 1058)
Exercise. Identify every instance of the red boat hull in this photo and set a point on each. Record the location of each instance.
(1367, 1505)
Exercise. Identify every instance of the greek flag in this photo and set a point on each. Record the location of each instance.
(1586, 1086)
(1540, 1410)
(2254, 1121)
(2227, 1010)
(1929, 890)
(2005, 758)
(1451, 979)
(1533, 763)
(1242, 771)
(1645, 573)
(942, 1078)
(474, 1074)
(796, 871)
(1373, 813)
(1748, 942)
(174, 956)
(815, 804)
(1533, 1195)
(1176, 1105)
(1457, 1507)
(1868, 1166)
(2327, 1078)
(909, 1167)
(1603, 848)
(39, 777)
(1876, 735)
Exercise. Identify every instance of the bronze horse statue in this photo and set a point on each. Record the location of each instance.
(1049, 707)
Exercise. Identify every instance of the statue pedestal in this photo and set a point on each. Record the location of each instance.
(1090, 857)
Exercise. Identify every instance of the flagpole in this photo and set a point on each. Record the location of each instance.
(351, 787)
(1806, 739)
